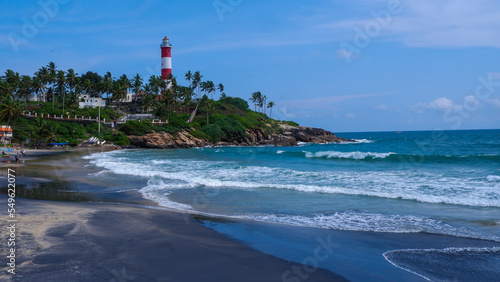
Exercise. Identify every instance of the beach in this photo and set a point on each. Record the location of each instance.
(92, 241)
(379, 209)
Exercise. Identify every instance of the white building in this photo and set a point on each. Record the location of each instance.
(87, 101)
(5, 133)
(128, 98)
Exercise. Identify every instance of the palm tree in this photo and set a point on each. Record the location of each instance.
(51, 133)
(211, 88)
(6, 89)
(87, 86)
(221, 88)
(262, 103)
(61, 86)
(256, 97)
(197, 81)
(107, 84)
(154, 84)
(119, 92)
(71, 79)
(40, 127)
(51, 77)
(12, 78)
(270, 105)
(149, 100)
(208, 105)
(24, 89)
(37, 86)
(188, 76)
(72, 100)
(43, 76)
(126, 82)
(10, 110)
(137, 85)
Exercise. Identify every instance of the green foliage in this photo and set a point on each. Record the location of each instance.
(232, 128)
(38, 130)
(291, 123)
(178, 121)
(134, 127)
(235, 101)
(214, 132)
(106, 113)
(117, 138)
(200, 134)
(10, 110)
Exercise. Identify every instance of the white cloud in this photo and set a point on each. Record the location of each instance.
(285, 113)
(441, 104)
(350, 115)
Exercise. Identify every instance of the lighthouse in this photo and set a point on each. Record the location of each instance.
(166, 59)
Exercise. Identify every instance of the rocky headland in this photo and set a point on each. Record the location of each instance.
(287, 136)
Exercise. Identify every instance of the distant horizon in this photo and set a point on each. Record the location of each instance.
(423, 130)
(361, 66)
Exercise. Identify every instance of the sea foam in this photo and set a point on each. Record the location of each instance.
(347, 155)
(374, 222)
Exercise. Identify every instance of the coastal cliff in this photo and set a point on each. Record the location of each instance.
(288, 136)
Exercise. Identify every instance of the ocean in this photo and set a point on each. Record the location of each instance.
(395, 205)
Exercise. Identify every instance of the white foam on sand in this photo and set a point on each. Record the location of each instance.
(374, 222)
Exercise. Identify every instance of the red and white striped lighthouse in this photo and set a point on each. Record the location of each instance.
(166, 59)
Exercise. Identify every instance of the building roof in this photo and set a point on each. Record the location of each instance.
(5, 128)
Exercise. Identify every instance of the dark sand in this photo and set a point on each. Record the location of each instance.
(63, 241)
(60, 241)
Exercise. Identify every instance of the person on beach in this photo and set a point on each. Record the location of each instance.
(23, 153)
(17, 158)
(3, 153)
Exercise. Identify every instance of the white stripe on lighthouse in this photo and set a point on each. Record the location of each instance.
(166, 63)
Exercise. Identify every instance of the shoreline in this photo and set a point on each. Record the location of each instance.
(66, 240)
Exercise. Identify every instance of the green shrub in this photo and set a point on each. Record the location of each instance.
(232, 128)
(117, 138)
(214, 132)
(133, 127)
(235, 101)
(178, 121)
(200, 134)
(289, 122)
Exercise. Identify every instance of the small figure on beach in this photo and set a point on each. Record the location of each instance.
(3, 153)
(23, 153)
(17, 158)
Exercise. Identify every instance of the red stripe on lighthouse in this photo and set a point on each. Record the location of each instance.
(166, 51)
(165, 73)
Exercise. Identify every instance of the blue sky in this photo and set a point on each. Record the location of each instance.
(376, 65)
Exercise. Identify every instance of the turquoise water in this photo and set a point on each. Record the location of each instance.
(431, 183)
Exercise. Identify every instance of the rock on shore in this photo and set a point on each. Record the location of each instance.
(290, 136)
